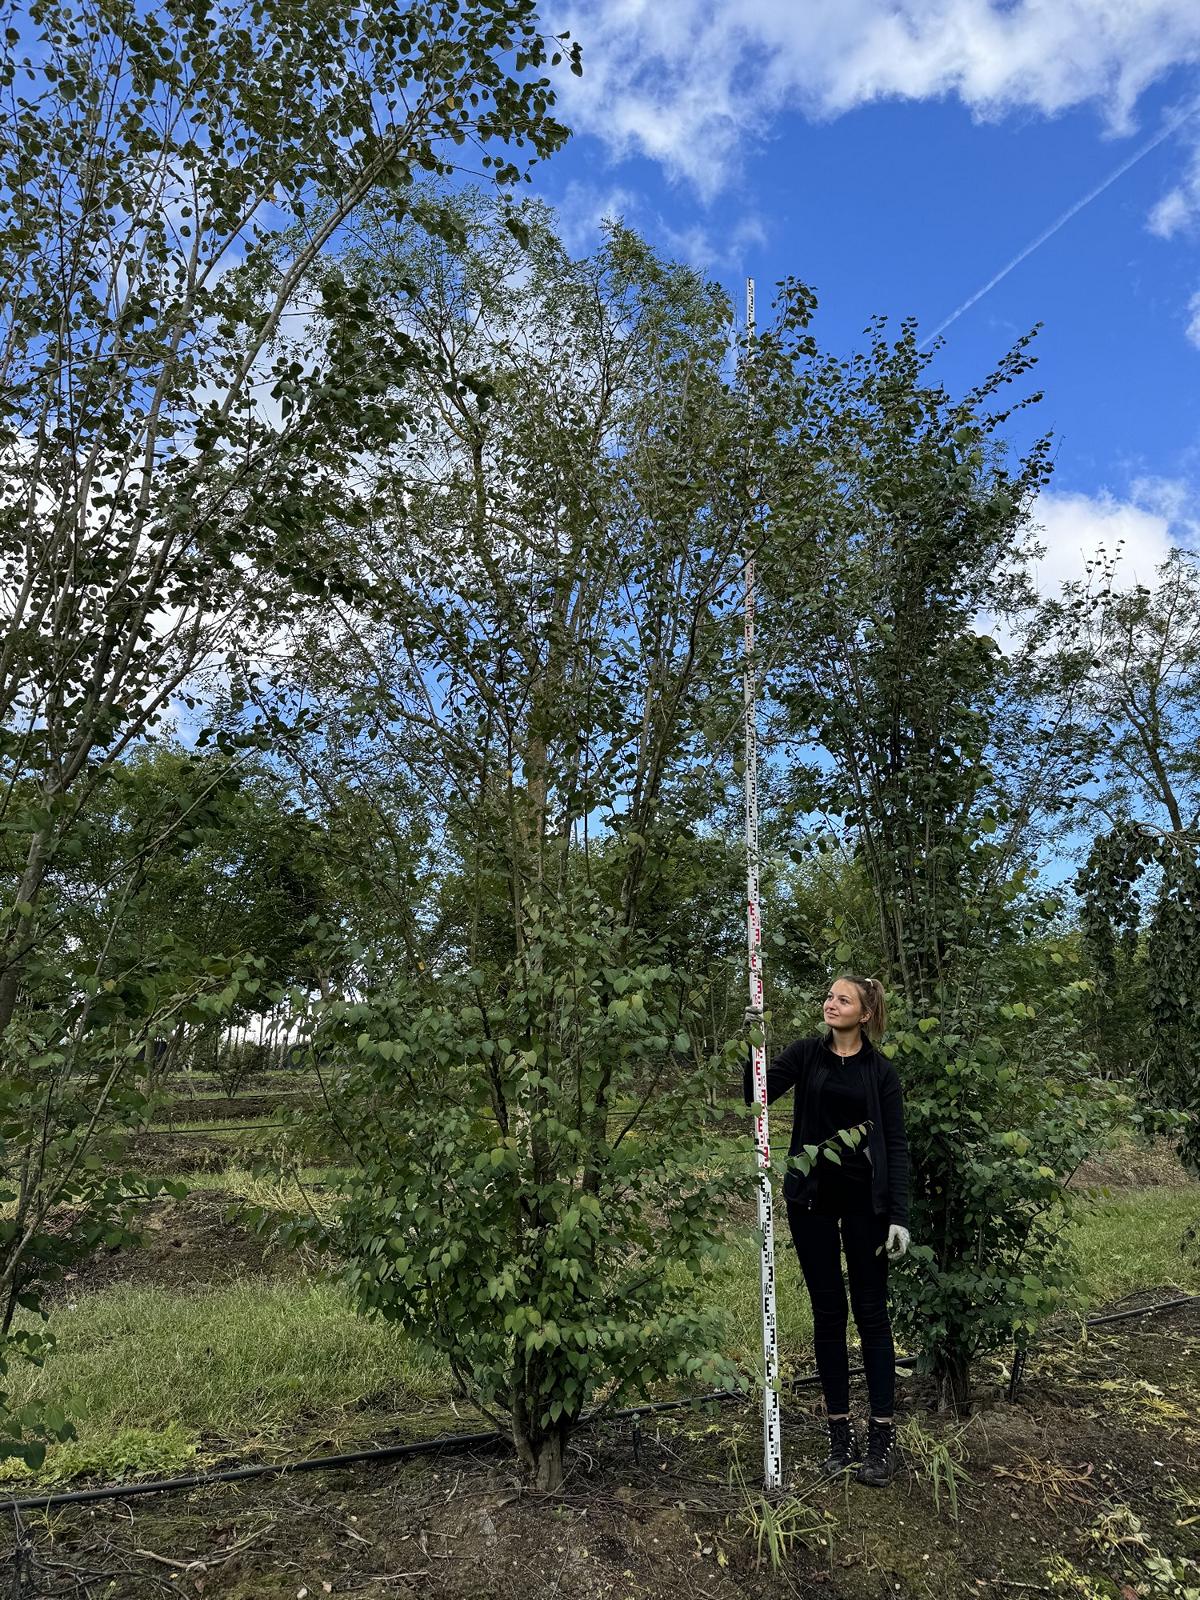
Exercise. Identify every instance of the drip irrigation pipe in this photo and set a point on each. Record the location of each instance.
(217, 1126)
(259, 1469)
(811, 1379)
(1142, 1311)
(449, 1442)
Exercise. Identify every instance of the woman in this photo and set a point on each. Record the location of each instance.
(843, 1082)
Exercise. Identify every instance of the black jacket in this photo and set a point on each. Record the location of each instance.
(804, 1066)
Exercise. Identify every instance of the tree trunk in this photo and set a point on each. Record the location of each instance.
(540, 1451)
(952, 1375)
(11, 967)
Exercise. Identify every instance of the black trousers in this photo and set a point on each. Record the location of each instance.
(820, 1235)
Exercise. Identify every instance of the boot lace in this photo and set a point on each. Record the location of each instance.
(881, 1441)
(839, 1431)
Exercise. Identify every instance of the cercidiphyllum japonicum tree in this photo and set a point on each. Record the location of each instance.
(554, 559)
(1168, 864)
(1128, 657)
(170, 176)
(246, 876)
(892, 679)
(547, 1262)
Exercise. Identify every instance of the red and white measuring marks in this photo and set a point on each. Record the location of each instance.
(772, 1443)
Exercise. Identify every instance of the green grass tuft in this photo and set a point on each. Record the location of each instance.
(248, 1362)
(1131, 1242)
(111, 1454)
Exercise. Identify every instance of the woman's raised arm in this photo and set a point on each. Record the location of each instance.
(783, 1073)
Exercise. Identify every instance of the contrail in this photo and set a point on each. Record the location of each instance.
(1071, 211)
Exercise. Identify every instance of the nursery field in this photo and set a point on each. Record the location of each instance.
(204, 1347)
(474, 686)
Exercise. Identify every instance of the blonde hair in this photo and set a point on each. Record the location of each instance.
(873, 1001)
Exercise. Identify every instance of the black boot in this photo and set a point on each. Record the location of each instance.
(881, 1464)
(843, 1447)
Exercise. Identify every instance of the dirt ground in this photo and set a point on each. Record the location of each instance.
(187, 1110)
(185, 1244)
(1076, 1489)
(180, 1155)
(1140, 1164)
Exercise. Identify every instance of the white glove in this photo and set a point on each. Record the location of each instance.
(897, 1241)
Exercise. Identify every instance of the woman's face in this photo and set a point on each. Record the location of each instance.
(843, 1008)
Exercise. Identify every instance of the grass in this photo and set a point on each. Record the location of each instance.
(190, 1085)
(272, 1193)
(778, 1524)
(210, 1126)
(778, 1527)
(248, 1362)
(1122, 1244)
(738, 1292)
(939, 1459)
(1131, 1242)
(317, 1192)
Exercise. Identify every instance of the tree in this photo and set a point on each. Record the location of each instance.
(247, 876)
(170, 185)
(1165, 959)
(1131, 660)
(890, 678)
(1134, 655)
(551, 559)
(170, 181)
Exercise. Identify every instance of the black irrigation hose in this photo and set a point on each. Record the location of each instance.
(162, 1129)
(260, 1469)
(1142, 1311)
(810, 1380)
(1020, 1356)
(452, 1442)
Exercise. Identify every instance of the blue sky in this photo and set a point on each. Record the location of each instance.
(897, 156)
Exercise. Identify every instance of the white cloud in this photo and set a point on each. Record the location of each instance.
(583, 207)
(1179, 209)
(1079, 530)
(1178, 212)
(1106, 539)
(1171, 214)
(686, 81)
(697, 246)
(1173, 498)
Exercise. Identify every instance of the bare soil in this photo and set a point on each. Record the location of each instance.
(187, 1110)
(1141, 1164)
(186, 1244)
